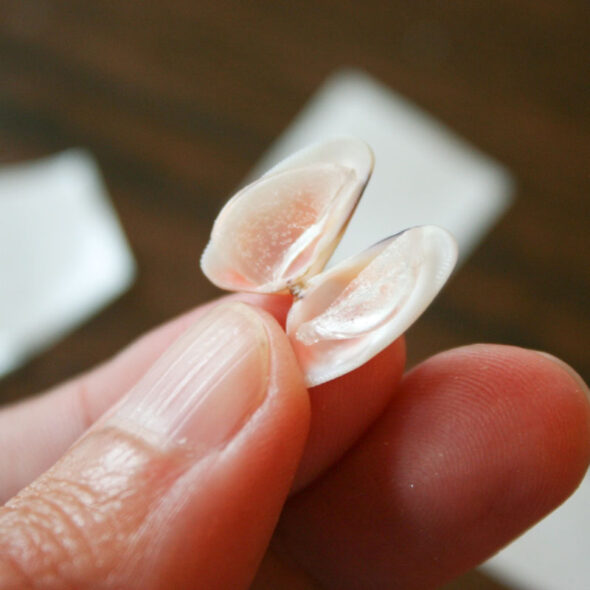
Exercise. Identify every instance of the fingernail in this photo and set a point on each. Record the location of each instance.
(569, 370)
(206, 385)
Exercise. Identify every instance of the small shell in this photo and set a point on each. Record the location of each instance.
(354, 310)
(278, 233)
(284, 227)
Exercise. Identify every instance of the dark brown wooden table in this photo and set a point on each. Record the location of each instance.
(178, 99)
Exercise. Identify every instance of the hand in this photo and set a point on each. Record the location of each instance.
(186, 474)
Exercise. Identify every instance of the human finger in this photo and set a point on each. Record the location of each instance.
(39, 430)
(479, 444)
(182, 482)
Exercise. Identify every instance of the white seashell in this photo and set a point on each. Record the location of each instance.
(284, 226)
(348, 314)
(278, 233)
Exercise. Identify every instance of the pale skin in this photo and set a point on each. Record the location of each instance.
(374, 480)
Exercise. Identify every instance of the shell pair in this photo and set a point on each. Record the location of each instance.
(277, 234)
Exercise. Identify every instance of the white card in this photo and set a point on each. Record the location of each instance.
(63, 255)
(424, 174)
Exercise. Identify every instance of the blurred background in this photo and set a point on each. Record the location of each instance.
(178, 100)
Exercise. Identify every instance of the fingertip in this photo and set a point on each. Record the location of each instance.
(529, 402)
(477, 445)
(501, 438)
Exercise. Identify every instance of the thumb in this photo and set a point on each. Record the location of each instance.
(182, 483)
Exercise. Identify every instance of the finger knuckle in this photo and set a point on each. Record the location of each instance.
(80, 520)
(44, 536)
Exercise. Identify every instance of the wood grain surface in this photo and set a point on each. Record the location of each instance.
(178, 99)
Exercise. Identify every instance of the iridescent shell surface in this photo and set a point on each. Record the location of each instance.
(277, 234)
(284, 226)
(351, 312)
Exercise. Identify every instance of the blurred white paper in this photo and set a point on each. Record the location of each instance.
(424, 174)
(63, 255)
